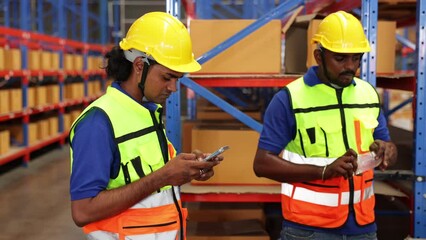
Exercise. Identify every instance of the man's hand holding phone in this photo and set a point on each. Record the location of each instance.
(215, 156)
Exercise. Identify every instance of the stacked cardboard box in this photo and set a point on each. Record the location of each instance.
(46, 61)
(31, 97)
(4, 141)
(4, 101)
(42, 129)
(41, 95)
(237, 167)
(259, 52)
(53, 126)
(15, 99)
(14, 59)
(74, 90)
(52, 93)
(2, 60)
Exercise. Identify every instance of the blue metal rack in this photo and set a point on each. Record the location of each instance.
(369, 11)
(420, 127)
(74, 22)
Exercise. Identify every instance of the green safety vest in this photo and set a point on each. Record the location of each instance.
(137, 133)
(330, 121)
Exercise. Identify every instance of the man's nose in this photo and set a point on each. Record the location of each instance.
(351, 64)
(172, 85)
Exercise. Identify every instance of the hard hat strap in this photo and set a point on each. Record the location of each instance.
(324, 67)
(141, 84)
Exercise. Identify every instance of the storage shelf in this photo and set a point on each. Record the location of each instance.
(243, 80)
(398, 80)
(18, 152)
(66, 101)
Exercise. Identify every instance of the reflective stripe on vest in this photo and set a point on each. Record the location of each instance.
(326, 199)
(329, 122)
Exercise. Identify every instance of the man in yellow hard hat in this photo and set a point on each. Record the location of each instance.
(124, 171)
(317, 130)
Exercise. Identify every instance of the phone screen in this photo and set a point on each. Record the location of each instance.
(216, 153)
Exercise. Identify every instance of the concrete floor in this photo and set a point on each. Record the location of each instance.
(34, 200)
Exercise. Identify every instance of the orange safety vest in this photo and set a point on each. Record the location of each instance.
(329, 122)
(163, 221)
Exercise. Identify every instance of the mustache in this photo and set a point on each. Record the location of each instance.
(347, 73)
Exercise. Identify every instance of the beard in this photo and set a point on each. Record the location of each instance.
(344, 79)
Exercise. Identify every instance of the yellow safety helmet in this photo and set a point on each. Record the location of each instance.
(341, 32)
(165, 39)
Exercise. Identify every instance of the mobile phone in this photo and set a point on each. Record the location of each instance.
(216, 153)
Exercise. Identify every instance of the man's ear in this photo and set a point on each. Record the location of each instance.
(138, 64)
(318, 56)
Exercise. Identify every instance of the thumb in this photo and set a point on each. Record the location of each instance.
(374, 147)
(198, 154)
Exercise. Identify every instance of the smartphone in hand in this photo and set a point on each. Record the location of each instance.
(216, 153)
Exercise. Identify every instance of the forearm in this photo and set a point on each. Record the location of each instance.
(273, 167)
(112, 202)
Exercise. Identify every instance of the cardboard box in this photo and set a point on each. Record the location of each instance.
(34, 57)
(296, 41)
(2, 63)
(15, 99)
(259, 52)
(385, 48)
(46, 60)
(74, 115)
(237, 166)
(78, 62)
(67, 122)
(298, 59)
(74, 90)
(93, 87)
(32, 133)
(4, 141)
(94, 62)
(53, 126)
(42, 129)
(55, 61)
(68, 62)
(31, 97)
(14, 59)
(4, 101)
(52, 94)
(188, 125)
(41, 95)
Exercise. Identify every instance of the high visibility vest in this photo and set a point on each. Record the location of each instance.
(330, 121)
(144, 148)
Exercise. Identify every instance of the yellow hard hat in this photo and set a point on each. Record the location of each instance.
(341, 32)
(163, 37)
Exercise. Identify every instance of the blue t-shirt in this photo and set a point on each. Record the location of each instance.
(279, 127)
(95, 154)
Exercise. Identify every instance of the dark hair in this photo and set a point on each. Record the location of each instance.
(118, 67)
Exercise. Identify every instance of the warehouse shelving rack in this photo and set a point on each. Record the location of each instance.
(369, 11)
(76, 28)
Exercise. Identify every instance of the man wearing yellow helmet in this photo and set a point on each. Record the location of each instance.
(315, 130)
(125, 173)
